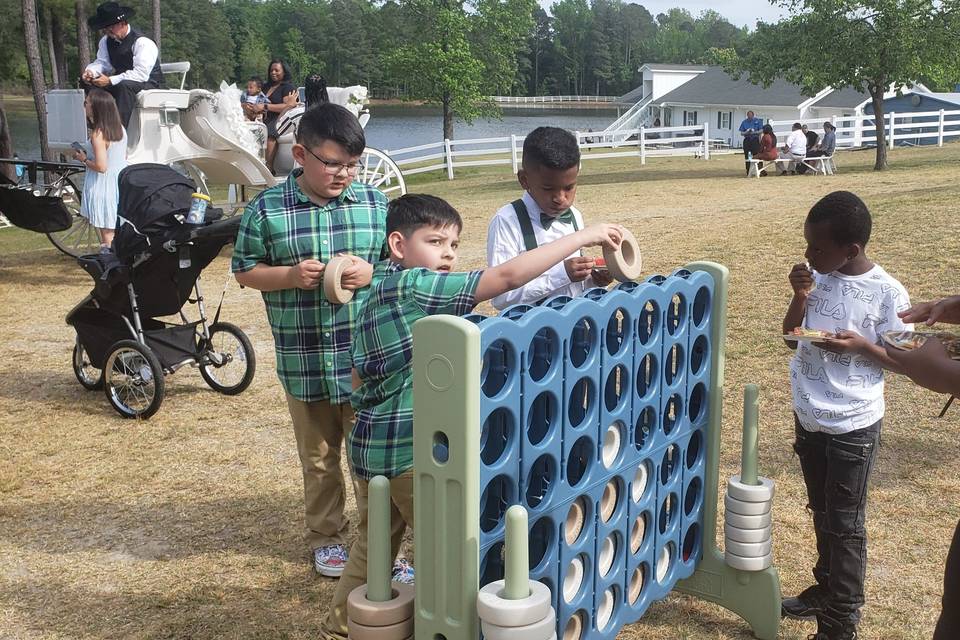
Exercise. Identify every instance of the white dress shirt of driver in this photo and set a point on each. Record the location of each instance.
(797, 143)
(145, 54)
(505, 242)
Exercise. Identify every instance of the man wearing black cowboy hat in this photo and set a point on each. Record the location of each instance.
(127, 62)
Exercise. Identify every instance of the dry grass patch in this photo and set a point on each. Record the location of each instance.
(189, 525)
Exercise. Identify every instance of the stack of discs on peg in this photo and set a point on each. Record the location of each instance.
(516, 608)
(747, 524)
(380, 609)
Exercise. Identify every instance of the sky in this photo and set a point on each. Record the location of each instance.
(738, 12)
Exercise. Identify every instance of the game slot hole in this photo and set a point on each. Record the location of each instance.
(573, 630)
(691, 543)
(641, 479)
(635, 585)
(542, 417)
(615, 390)
(606, 608)
(701, 306)
(699, 354)
(543, 475)
(648, 324)
(573, 578)
(607, 554)
(647, 375)
(543, 353)
(612, 444)
(665, 561)
(441, 448)
(646, 423)
(540, 541)
(668, 512)
(694, 451)
(583, 341)
(668, 464)
(618, 331)
(697, 408)
(610, 499)
(495, 435)
(638, 532)
(493, 564)
(676, 313)
(672, 414)
(579, 460)
(574, 524)
(494, 499)
(499, 360)
(582, 399)
(691, 498)
(673, 367)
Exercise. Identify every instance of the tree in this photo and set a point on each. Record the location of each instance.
(32, 45)
(6, 146)
(869, 45)
(83, 35)
(156, 23)
(572, 23)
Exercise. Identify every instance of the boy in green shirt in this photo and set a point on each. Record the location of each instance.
(423, 235)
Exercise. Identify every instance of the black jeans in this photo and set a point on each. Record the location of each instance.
(836, 469)
(948, 627)
(125, 95)
(751, 145)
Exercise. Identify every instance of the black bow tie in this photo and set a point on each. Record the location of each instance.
(565, 217)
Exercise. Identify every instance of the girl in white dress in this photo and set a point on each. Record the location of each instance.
(105, 155)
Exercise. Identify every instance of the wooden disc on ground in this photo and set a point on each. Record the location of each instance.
(573, 525)
(625, 262)
(333, 291)
(381, 614)
(399, 631)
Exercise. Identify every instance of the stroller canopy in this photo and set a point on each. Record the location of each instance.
(151, 198)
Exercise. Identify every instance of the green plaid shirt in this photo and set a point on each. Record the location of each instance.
(382, 439)
(281, 226)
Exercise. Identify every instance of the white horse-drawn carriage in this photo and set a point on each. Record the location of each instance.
(205, 135)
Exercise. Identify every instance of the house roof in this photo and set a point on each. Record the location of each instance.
(632, 97)
(716, 86)
(947, 97)
(657, 66)
(846, 98)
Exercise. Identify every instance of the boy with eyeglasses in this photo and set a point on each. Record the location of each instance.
(287, 235)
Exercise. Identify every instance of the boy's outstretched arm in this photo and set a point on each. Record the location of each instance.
(943, 310)
(801, 280)
(528, 265)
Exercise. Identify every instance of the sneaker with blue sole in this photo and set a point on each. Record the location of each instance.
(330, 560)
(402, 571)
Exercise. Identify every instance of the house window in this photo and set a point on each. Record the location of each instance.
(723, 119)
(689, 118)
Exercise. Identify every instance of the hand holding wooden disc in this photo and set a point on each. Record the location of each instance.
(333, 291)
(624, 263)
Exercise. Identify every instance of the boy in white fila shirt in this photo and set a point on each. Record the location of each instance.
(549, 172)
(838, 400)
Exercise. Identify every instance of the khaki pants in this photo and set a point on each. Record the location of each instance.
(355, 574)
(320, 429)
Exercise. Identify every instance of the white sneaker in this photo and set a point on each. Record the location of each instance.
(330, 560)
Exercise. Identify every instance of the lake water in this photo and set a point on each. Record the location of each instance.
(390, 127)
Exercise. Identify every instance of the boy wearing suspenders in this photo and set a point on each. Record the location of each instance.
(550, 167)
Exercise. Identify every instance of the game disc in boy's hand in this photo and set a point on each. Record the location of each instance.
(333, 291)
(624, 262)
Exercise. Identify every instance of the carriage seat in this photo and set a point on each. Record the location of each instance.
(160, 98)
(176, 67)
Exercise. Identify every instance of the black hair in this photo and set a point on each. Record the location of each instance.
(414, 211)
(848, 216)
(797, 125)
(256, 79)
(552, 148)
(330, 121)
(283, 65)
(315, 90)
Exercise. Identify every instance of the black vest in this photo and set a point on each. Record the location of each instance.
(121, 56)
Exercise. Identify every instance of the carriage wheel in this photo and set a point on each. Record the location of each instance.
(380, 171)
(227, 361)
(133, 380)
(81, 238)
(87, 374)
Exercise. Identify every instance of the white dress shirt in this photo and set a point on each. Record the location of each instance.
(797, 143)
(145, 54)
(505, 242)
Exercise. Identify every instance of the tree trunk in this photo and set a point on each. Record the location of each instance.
(59, 54)
(447, 118)
(879, 121)
(6, 146)
(83, 35)
(51, 55)
(32, 40)
(156, 24)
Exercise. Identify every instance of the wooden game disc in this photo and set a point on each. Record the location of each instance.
(635, 586)
(748, 549)
(747, 564)
(608, 501)
(572, 579)
(762, 492)
(625, 262)
(637, 532)
(747, 522)
(573, 630)
(573, 525)
(400, 631)
(381, 614)
(745, 508)
(746, 535)
(333, 291)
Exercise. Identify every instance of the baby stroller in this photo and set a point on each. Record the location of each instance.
(154, 268)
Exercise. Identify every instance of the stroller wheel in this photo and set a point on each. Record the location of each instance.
(133, 380)
(87, 374)
(227, 361)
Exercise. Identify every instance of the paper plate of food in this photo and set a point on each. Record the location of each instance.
(910, 340)
(802, 334)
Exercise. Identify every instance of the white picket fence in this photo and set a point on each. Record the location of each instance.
(910, 128)
(550, 99)
(450, 155)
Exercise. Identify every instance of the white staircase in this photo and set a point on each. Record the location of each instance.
(631, 119)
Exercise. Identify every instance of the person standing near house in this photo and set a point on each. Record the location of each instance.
(127, 61)
(750, 129)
